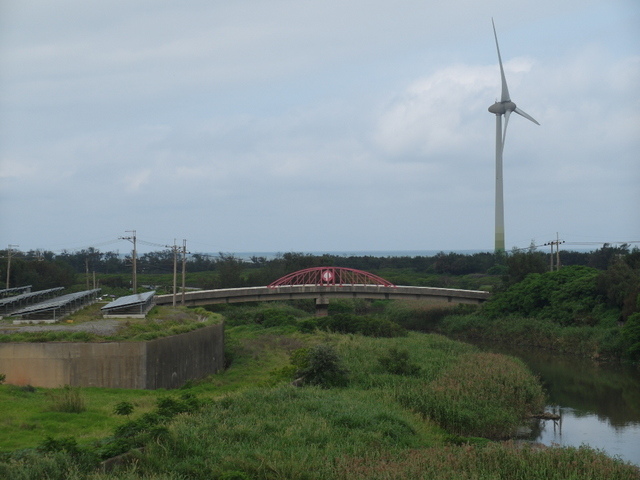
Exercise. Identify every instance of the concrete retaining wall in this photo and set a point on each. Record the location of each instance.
(162, 363)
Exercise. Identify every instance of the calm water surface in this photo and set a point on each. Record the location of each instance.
(599, 404)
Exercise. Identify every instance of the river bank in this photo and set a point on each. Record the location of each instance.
(598, 402)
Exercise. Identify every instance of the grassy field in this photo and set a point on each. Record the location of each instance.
(413, 406)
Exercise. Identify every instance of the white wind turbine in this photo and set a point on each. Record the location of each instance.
(504, 107)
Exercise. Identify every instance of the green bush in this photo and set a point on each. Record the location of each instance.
(320, 366)
(568, 297)
(397, 362)
(369, 325)
(631, 338)
(123, 408)
(423, 316)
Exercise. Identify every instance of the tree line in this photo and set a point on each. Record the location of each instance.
(46, 269)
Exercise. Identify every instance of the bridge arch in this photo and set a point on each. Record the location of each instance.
(330, 277)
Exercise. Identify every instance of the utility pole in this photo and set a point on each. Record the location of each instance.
(132, 239)
(9, 251)
(86, 270)
(174, 248)
(557, 243)
(184, 268)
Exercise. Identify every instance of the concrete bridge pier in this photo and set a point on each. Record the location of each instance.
(322, 306)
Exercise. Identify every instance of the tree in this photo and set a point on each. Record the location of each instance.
(620, 285)
(230, 270)
(521, 264)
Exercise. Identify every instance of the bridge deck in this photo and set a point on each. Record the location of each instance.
(265, 294)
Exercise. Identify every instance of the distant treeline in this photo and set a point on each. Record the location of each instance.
(45, 269)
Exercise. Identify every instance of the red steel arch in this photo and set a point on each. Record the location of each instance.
(330, 276)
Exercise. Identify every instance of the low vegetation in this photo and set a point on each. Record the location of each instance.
(411, 406)
(575, 310)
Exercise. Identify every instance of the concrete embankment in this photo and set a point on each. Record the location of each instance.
(166, 362)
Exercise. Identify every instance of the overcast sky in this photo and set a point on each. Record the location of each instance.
(285, 125)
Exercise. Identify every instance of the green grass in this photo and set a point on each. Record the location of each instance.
(284, 431)
(254, 424)
(27, 417)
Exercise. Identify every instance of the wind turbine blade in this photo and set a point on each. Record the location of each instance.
(506, 122)
(505, 90)
(526, 115)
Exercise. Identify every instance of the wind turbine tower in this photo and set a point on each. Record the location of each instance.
(504, 107)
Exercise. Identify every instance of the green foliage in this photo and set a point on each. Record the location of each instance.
(123, 408)
(268, 315)
(481, 394)
(3, 377)
(369, 325)
(567, 296)
(366, 430)
(538, 332)
(398, 362)
(321, 366)
(423, 316)
(631, 338)
(150, 426)
(67, 400)
(299, 358)
(66, 444)
(495, 460)
(620, 286)
(283, 433)
(82, 459)
(521, 264)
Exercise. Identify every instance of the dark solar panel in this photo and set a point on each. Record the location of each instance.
(130, 300)
(55, 303)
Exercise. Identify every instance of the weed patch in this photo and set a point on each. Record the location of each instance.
(67, 400)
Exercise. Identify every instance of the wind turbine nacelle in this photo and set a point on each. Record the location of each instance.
(500, 108)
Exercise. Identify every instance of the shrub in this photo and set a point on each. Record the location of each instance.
(422, 315)
(123, 408)
(631, 338)
(321, 366)
(397, 362)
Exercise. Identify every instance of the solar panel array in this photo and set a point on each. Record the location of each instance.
(11, 304)
(58, 307)
(6, 292)
(131, 304)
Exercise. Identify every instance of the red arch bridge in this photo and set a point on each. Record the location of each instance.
(324, 284)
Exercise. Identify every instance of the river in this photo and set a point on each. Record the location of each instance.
(599, 404)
